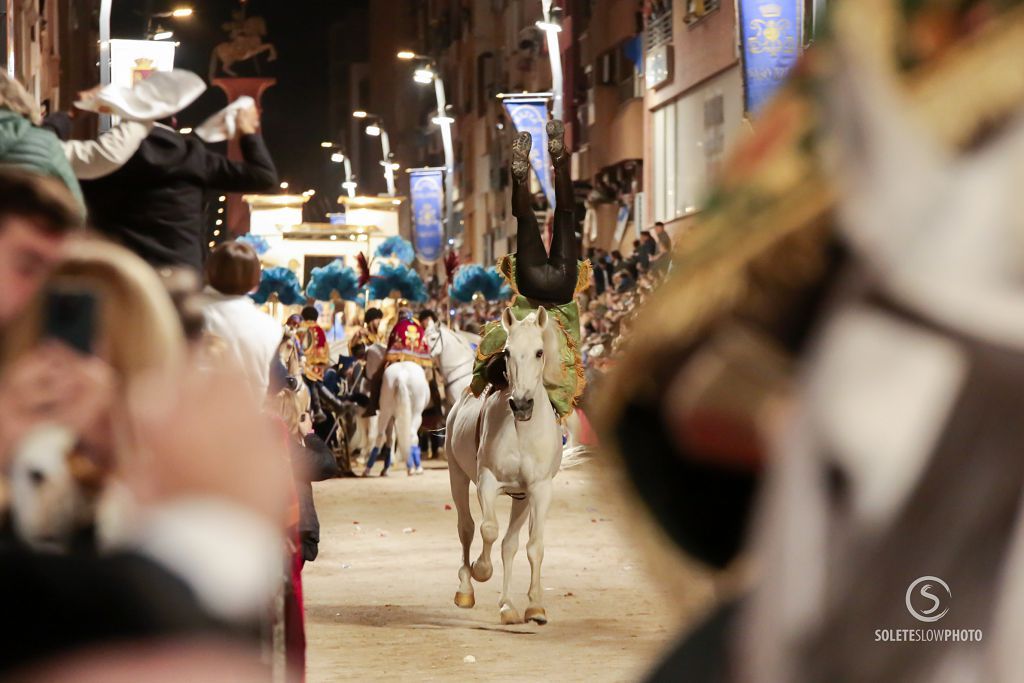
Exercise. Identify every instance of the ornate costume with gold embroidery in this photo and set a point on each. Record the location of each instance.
(407, 344)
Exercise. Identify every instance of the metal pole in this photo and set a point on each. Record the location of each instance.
(105, 55)
(449, 158)
(555, 56)
(349, 187)
(389, 173)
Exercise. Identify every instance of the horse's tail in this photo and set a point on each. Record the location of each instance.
(573, 453)
(403, 418)
(573, 456)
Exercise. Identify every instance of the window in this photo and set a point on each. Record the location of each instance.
(698, 9)
(691, 135)
(658, 31)
(616, 67)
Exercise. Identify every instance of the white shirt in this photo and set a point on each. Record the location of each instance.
(91, 159)
(252, 337)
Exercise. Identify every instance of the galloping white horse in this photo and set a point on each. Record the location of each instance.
(403, 398)
(454, 357)
(508, 442)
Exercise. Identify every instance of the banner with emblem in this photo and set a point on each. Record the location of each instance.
(133, 60)
(531, 115)
(772, 35)
(426, 187)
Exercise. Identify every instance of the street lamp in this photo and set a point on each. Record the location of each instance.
(551, 25)
(376, 129)
(160, 33)
(423, 75)
(426, 73)
(339, 157)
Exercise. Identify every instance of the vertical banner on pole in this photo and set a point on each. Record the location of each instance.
(772, 34)
(532, 116)
(427, 191)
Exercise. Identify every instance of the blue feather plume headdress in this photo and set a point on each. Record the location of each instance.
(398, 278)
(281, 281)
(258, 243)
(472, 278)
(396, 248)
(333, 278)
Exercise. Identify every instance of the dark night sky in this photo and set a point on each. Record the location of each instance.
(296, 109)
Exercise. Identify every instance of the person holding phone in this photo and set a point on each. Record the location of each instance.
(187, 486)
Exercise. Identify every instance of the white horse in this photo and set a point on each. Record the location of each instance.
(454, 357)
(403, 398)
(508, 442)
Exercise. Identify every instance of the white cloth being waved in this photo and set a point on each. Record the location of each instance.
(251, 336)
(223, 125)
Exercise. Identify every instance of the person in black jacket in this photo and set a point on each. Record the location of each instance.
(312, 461)
(154, 203)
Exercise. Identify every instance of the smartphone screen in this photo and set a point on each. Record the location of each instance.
(70, 317)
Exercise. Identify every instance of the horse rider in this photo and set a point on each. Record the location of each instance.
(540, 278)
(405, 344)
(368, 333)
(316, 354)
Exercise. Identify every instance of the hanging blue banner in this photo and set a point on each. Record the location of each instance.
(532, 116)
(427, 190)
(772, 32)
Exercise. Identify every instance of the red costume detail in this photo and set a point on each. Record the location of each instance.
(406, 343)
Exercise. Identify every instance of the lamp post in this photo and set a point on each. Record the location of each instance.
(339, 157)
(376, 129)
(425, 74)
(159, 33)
(105, 7)
(552, 26)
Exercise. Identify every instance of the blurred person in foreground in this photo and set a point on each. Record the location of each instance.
(161, 582)
(25, 145)
(846, 327)
(154, 203)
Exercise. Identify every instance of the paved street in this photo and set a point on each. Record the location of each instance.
(379, 597)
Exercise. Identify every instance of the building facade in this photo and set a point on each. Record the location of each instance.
(51, 47)
(654, 94)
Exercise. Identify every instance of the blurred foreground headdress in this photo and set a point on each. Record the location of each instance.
(714, 348)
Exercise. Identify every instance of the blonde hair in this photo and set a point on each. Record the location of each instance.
(15, 97)
(137, 327)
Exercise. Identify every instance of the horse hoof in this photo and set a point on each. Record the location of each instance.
(480, 572)
(537, 615)
(465, 600)
(509, 616)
